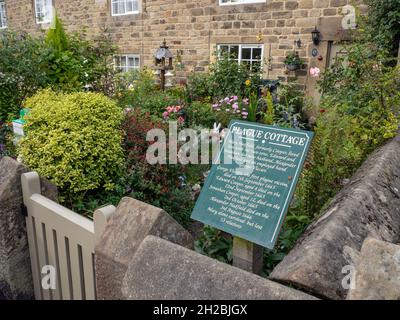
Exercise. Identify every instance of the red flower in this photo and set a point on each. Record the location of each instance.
(322, 110)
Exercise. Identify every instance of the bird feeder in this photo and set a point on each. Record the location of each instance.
(163, 62)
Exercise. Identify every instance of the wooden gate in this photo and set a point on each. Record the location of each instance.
(63, 240)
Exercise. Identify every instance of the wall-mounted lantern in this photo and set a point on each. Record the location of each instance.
(316, 36)
(163, 61)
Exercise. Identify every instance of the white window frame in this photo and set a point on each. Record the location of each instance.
(244, 46)
(44, 6)
(3, 15)
(126, 56)
(127, 12)
(236, 2)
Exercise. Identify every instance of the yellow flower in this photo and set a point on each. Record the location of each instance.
(248, 82)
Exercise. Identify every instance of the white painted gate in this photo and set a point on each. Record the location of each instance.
(63, 239)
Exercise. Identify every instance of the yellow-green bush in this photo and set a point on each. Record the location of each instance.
(74, 140)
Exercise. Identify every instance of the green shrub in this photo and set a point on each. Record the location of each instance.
(225, 78)
(21, 71)
(133, 88)
(157, 184)
(358, 112)
(64, 62)
(74, 63)
(200, 114)
(382, 24)
(228, 78)
(7, 147)
(74, 140)
(199, 86)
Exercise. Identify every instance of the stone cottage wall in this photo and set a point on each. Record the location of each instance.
(194, 27)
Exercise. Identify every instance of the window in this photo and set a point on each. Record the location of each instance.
(250, 54)
(44, 11)
(127, 62)
(122, 7)
(3, 18)
(230, 2)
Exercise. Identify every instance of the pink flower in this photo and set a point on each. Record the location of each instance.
(235, 98)
(314, 72)
(245, 113)
(177, 108)
(165, 114)
(170, 109)
(235, 106)
(181, 120)
(216, 105)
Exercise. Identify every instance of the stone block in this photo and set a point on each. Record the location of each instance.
(377, 272)
(369, 206)
(161, 270)
(15, 267)
(126, 229)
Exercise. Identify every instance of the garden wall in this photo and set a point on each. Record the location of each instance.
(369, 206)
(15, 266)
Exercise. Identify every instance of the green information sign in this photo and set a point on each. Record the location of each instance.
(251, 183)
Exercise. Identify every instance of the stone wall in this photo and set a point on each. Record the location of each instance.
(195, 27)
(15, 267)
(369, 206)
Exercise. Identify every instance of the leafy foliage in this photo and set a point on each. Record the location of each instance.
(64, 62)
(6, 146)
(215, 244)
(74, 140)
(21, 71)
(226, 77)
(157, 184)
(382, 24)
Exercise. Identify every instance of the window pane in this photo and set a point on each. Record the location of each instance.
(131, 62)
(135, 5)
(246, 53)
(132, 5)
(223, 49)
(137, 62)
(123, 61)
(115, 7)
(123, 7)
(117, 60)
(3, 18)
(257, 53)
(234, 50)
(48, 10)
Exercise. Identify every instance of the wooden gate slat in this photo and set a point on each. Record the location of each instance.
(53, 261)
(34, 258)
(42, 256)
